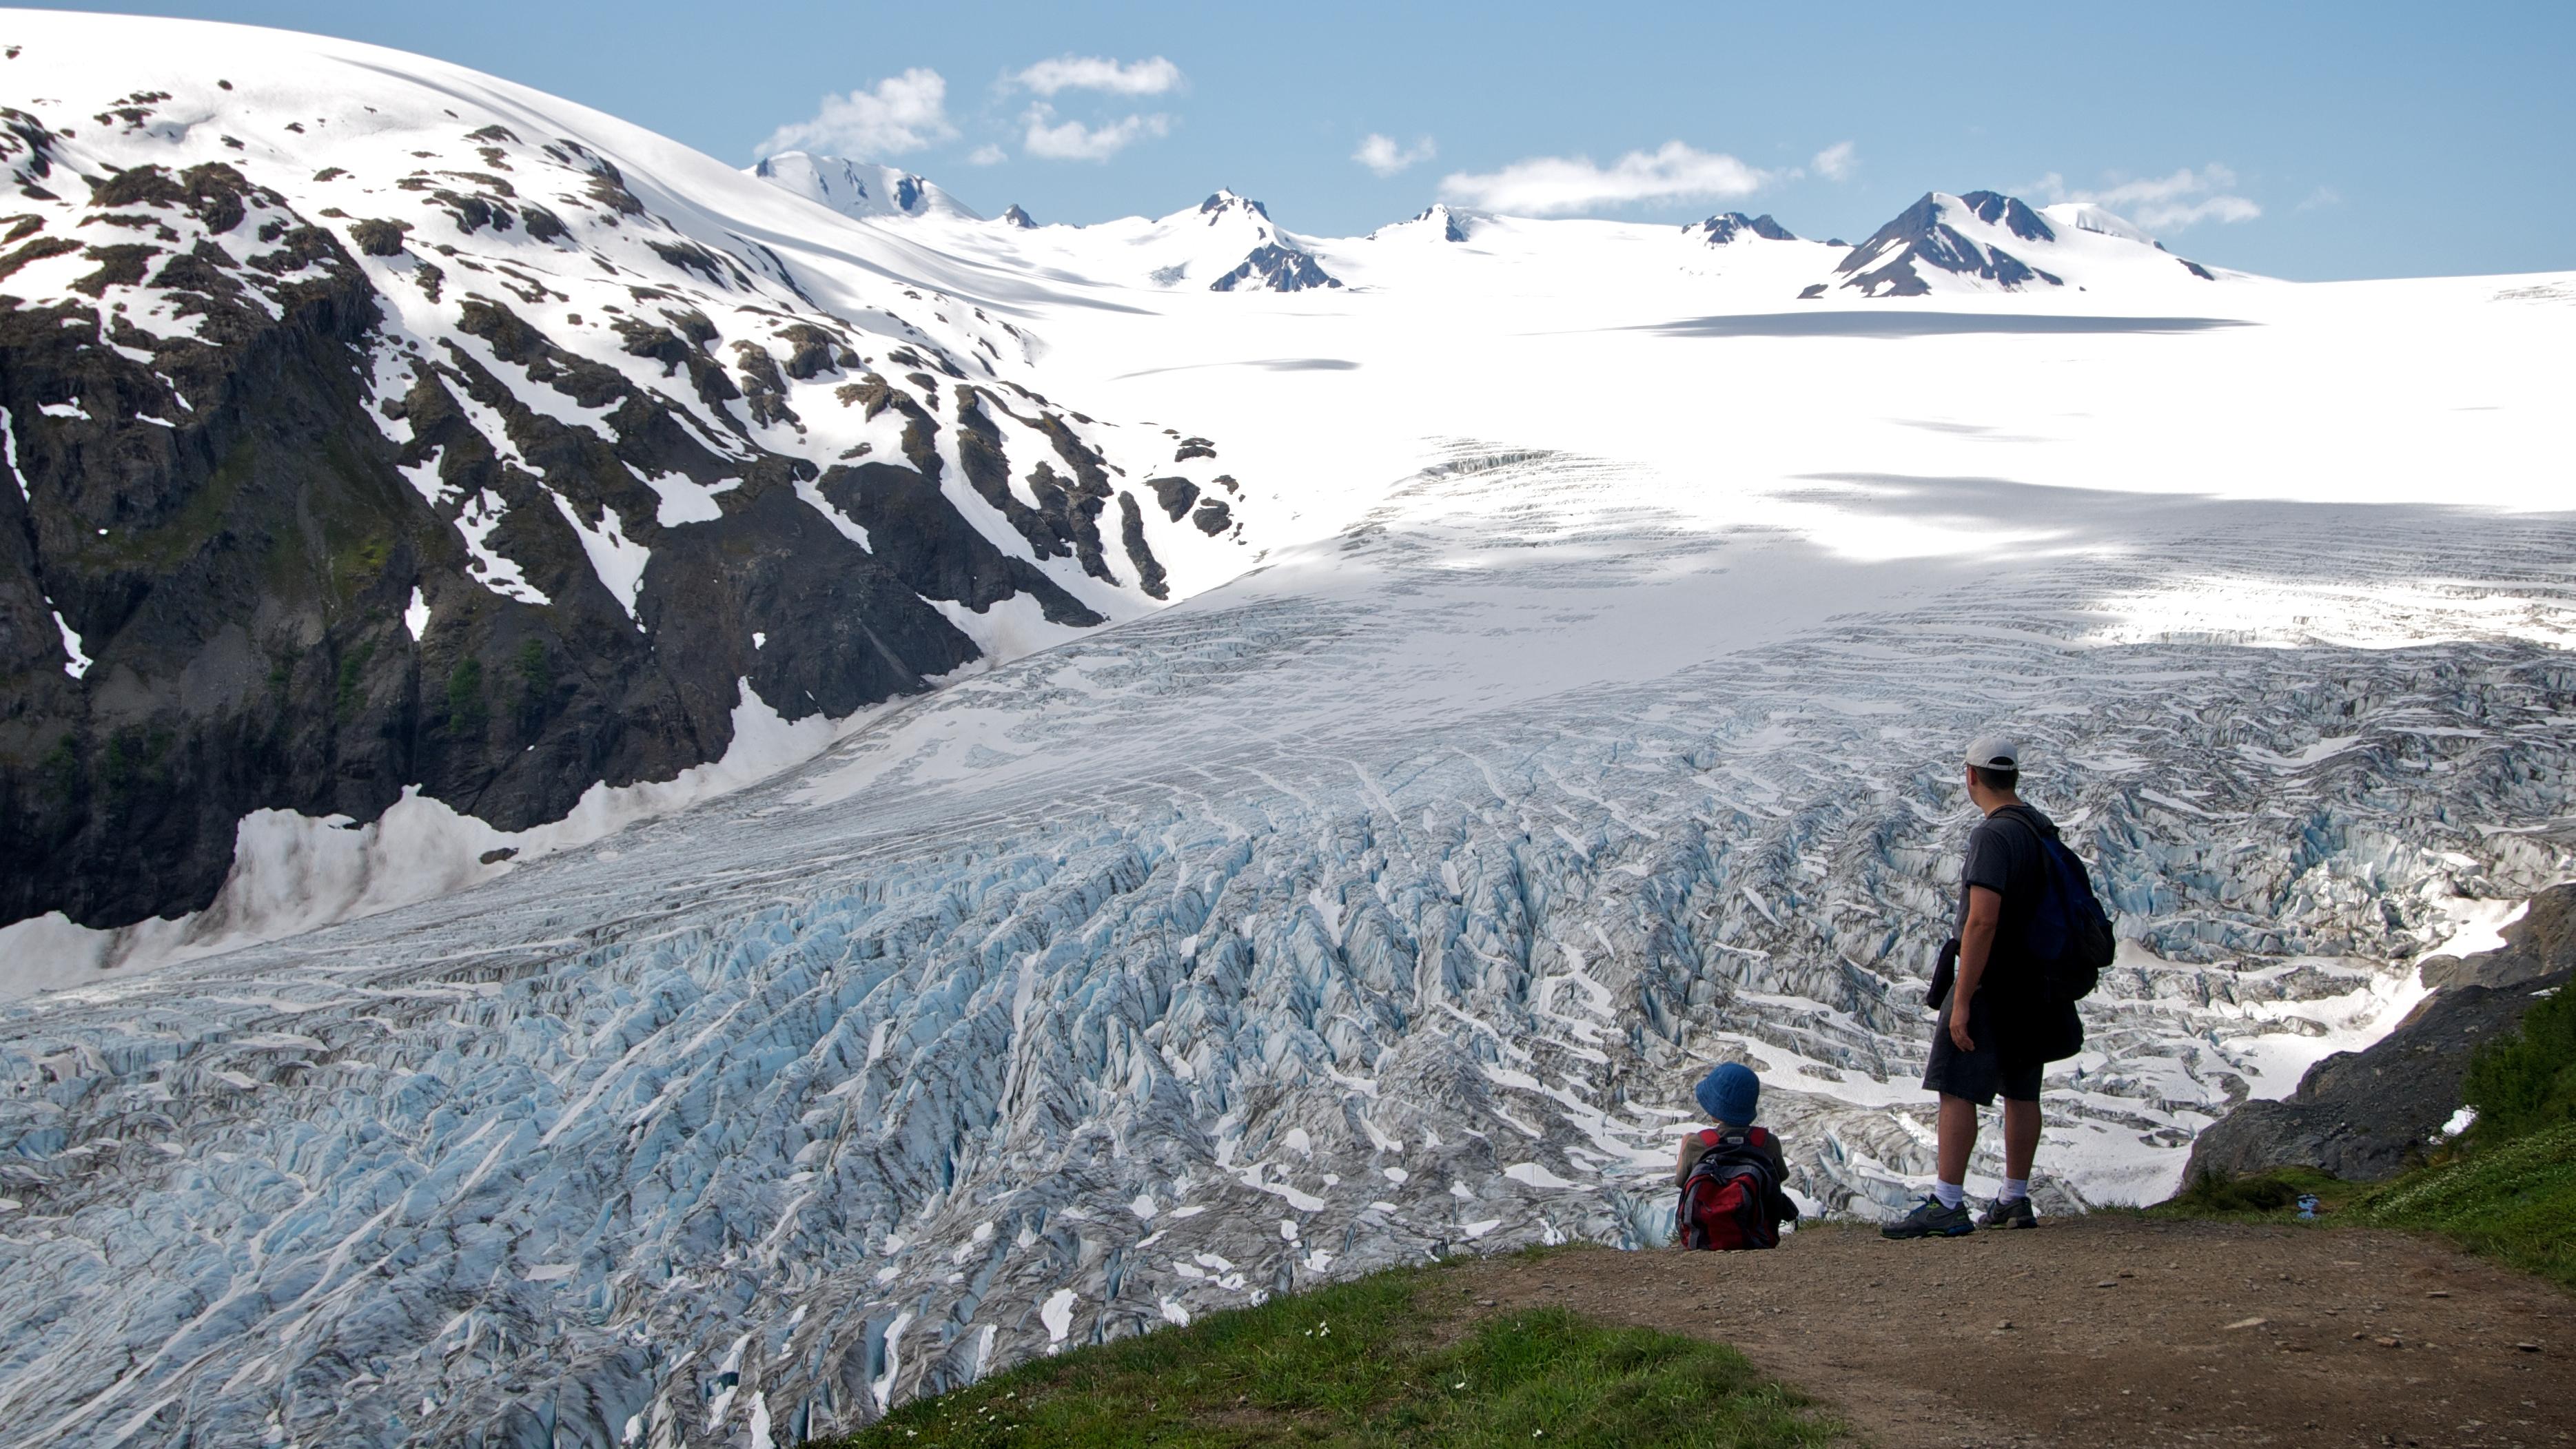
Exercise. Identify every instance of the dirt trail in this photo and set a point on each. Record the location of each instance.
(2121, 1332)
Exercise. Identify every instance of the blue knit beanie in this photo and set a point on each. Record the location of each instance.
(1730, 1093)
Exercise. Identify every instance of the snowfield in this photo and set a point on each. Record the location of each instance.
(1588, 717)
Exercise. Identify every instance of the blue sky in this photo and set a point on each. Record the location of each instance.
(2306, 141)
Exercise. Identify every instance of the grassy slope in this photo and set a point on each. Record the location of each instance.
(2514, 1200)
(1387, 1359)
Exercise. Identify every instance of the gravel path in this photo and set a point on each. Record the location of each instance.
(2111, 1330)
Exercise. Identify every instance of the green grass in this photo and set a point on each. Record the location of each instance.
(2514, 1201)
(1385, 1360)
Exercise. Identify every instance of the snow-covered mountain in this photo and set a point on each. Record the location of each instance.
(1227, 243)
(1566, 639)
(378, 428)
(1987, 241)
(859, 188)
(1440, 222)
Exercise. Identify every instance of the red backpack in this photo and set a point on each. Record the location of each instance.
(1727, 1201)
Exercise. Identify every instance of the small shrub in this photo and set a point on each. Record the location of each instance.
(2526, 1082)
(465, 708)
(2279, 1190)
(353, 668)
(536, 685)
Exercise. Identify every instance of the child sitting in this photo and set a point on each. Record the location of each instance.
(1731, 1175)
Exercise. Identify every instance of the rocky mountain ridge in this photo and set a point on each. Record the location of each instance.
(377, 430)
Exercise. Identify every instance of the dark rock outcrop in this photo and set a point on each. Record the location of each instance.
(2364, 1115)
(1174, 494)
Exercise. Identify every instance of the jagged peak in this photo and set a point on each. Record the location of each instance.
(1731, 226)
(1928, 233)
(1012, 215)
(1223, 200)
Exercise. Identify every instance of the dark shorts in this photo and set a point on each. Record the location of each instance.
(1980, 1075)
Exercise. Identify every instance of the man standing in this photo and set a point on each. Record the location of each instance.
(1992, 1035)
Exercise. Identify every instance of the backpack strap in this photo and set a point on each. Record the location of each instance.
(2028, 819)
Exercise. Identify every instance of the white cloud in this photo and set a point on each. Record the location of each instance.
(1382, 155)
(987, 154)
(1150, 77)
(1835, 161)
(1553, 185)
(2322, 196)
(2181, 216)
(904, 113)
(1074, 141)
(2165, 203)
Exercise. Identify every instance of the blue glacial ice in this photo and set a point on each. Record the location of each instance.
(1381, 905)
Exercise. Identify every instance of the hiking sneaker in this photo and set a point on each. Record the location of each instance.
(1931, 1220)
(2014, 1214)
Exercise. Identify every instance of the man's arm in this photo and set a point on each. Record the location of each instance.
(1976, 943)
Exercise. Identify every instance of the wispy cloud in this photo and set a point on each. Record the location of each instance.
(1152, 76)
(2322, 196)
(1053, 140)
(903, 113)
(1382, 155)
(1554, 185)
(987, 154)
(2164, 203)
(1836, 161)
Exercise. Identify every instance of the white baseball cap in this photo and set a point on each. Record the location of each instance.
(1994, 752)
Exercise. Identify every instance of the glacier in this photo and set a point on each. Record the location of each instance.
(1275, 936)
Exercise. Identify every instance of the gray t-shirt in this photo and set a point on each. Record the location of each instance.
(2003, 856)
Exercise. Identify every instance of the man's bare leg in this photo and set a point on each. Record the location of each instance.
(2021, 1137)
(1957, 1136)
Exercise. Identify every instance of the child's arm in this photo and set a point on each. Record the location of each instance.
(1783, 1208)
(1689, 1158)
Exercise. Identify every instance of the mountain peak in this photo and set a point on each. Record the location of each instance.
(859, 188)
(1961, 236)
(1438, 220)
(1223, 201)
(1986, 240)
(1996, 209)
(1014, 216)
(1731, 226)
(1231, 238)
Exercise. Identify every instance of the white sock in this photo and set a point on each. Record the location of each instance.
(1949, 1194)
(2015, 1189)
